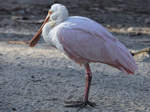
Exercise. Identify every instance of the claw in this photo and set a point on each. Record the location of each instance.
(81, 104)
(92, 104)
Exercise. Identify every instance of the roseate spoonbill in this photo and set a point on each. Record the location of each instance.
(84, 41)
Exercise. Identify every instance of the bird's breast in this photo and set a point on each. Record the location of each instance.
(51, 38)
(55, 40)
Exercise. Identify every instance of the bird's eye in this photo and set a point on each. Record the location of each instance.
(54, 17)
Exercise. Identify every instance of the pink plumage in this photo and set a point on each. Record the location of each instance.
(85, 41)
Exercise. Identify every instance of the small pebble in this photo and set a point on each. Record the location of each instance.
(14, 109)
(58, 74)
(32, 76)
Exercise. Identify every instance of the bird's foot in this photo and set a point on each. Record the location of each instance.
(80, 104)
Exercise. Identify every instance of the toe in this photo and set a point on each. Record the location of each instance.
(74, 104)
(80, 104)
(92, 104)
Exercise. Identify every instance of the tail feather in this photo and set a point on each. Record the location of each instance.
(126, 60)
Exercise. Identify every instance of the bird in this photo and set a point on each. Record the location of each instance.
(84, 41)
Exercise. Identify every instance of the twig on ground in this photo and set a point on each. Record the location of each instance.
(19, 42)
(140, 51)
(30, 21)
(26, 20)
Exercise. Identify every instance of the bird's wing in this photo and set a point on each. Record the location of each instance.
(84, 45)
(90, 26)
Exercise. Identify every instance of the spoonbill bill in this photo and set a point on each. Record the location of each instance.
(84, 41)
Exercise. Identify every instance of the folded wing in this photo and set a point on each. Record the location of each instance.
(84, 45)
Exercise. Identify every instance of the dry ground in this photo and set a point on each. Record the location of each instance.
(40, 79)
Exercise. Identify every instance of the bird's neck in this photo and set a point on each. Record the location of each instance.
(47, 28)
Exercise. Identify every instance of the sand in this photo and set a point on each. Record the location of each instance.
(40, 79)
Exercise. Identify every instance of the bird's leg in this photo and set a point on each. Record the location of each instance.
(86, 94)
(88, 85)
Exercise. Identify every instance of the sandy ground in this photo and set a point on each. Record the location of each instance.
(40, 79)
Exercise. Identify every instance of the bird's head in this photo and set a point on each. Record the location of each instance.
(56, 14)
